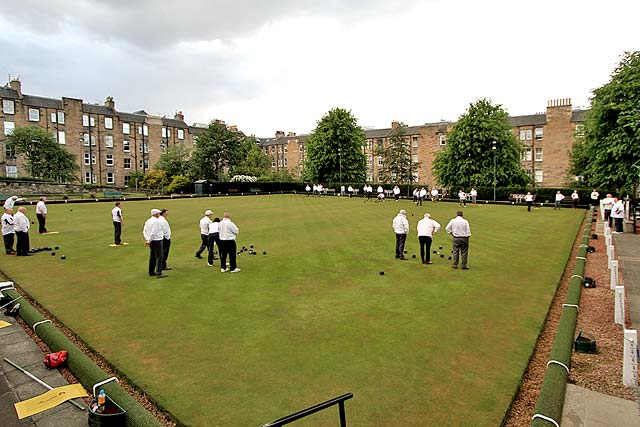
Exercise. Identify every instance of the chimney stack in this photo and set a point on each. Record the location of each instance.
(179, 116)
(110, 102)
(395, 125)
(292, 134)
(16, 85)
(279, 133)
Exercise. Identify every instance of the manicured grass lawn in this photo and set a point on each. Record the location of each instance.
(421, 345)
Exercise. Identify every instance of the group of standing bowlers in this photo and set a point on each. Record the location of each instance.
(457, 227)
(16, 225)
(221, 233)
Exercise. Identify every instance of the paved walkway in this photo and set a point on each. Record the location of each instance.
(15, 386)
(586, 408)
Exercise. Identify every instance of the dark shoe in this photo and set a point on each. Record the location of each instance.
(428, 262)
(167, 268)
(161, 276)
(403, 258)
(465, 268)
(198, 256)
(455, 267)
(152, 274)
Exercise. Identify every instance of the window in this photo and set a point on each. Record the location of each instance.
(180, 133)
(93, 159)
(144, 164)
(443, 139)
(126, 146)
(379, 160)
(143, 130)
(10, 151)
(109, 159)
(62, 138)
(110, 178)
(94, 178)
(164, 132)
(379, 142)
(415, 142)
(538, 154)
(163, 146)
(300, 148)
(61, 117)
(108, 123)
(279, 163)
(87, 159)
(580, 130)
(273, 164)
(34, 115)
(9, 127)
(8, 106)
(11, 171)
(538, 176)
(85, 140)
(86, 120)
(285, 162)
(525, 134)
(87, 177)
(108, 141)
(526, 154)
(144, 148)
(126, 128)
(285, 148)
(370, 160)
(127, 163)
(539, 132)
(54, 118)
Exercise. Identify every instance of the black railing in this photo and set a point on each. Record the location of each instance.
(312, 410)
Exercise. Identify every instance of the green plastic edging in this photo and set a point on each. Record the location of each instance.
(83, 368)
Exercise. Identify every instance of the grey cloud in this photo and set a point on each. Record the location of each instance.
(156, 23)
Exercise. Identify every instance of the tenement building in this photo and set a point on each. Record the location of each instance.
(547, 139)
(109, 145)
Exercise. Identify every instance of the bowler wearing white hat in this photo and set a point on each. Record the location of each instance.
(153, 236)
(205, 221)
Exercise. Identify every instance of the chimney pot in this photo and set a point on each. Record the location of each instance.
(16, 85)
(110, 102)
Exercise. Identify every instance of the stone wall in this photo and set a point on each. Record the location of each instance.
(26, 188)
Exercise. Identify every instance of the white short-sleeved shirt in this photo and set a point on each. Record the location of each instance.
(41, 208)
(116, 214)
(7, 224)
(204, 225)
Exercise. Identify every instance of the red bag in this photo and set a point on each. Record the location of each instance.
(55, 360)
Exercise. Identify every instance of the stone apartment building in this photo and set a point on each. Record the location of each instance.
(547, 139)
(109, 145)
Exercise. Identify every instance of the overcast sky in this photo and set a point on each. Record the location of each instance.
(281, 64)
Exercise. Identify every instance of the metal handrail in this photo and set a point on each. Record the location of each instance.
(312, 410)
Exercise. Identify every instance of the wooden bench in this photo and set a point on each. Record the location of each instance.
(329, 190)
(254, 190)
(112, 194)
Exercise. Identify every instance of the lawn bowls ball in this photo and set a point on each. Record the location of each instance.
(413, 256)
(56, 248)
(441, 255)
(264, 252)
(63, 257)
(53, 254)
(440, 247)
(381, 273)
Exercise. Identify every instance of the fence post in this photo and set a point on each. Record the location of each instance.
(630, 361)
(610, 255)
(614, 274)
(619, 306)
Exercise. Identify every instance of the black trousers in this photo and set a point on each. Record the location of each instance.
(155, 258)
(22, 245)
(460, 249)
(117, 232)
(425, 248)
(228, 248)
(41, 223)
(529, 206)
(166, 245)
(214, 239)
(607, 217)
(8, 242)
(400, 240)
(619, 224)
(203, 245)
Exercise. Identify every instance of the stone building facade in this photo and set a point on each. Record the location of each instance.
(109, 145)
(547, 139)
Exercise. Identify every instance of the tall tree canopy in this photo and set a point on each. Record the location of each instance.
(254, 161)
(467, 159)
(217, 151)
(397, 164)
(175, 161)
(335, 144)
(607, 152)
(44, 158)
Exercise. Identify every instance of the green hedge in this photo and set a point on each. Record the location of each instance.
(83, 368)
(551, 398)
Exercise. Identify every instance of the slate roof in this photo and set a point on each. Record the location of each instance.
(128, 117)
(98, 109)
(529, 120)
(174, 123)
(39, 101)
(376, 133)
(578, 115)
(7, 93)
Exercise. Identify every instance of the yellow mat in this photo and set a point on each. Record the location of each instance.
(113, 245)
(52, 232)
(48, 400)
(4, 324)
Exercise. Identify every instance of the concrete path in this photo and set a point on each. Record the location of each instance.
(15, 386)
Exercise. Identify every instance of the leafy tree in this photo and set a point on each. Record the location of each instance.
(468, 159)
(178, 183)
(254, 161)
(280, 175)
(397, 163)
(44, 158)
(607, 151)
(337, 130)
(217, 151)
(134, 179)
(155, 180)
(175, 161)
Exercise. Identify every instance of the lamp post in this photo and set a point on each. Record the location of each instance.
(340, 162)
(493, 148)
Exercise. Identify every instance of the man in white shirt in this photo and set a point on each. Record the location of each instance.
(342, 191)
(422, 195)
(350, 190)
(434, 194)
(396, 192)
(474, 195)
(529, 199)
(559, 199)
(307, 189)
(153, 236)
(166, 237)
(426, 228)
(116, 216)
(41, 214)
(214, 240)
(607, 205)
(617, 213)
(369, 191)
(11, 201)
(8, 232)
(575, 198)
(228, 233)
(594, 197)
(463, 199)
(204, 232)
(459, 228)
(21, 227)
(400, 226)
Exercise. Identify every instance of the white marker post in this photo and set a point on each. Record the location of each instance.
(619, 306)
(608, 241)
(614, 274)
(610, 255)
(630, 358)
